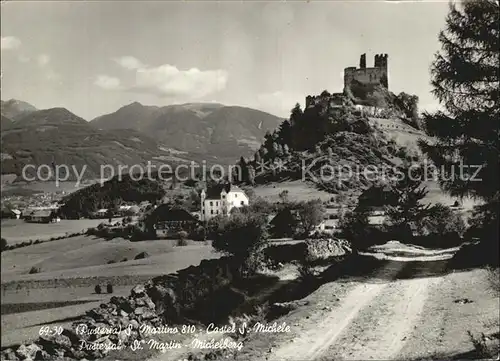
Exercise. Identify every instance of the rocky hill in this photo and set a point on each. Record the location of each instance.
(14, 109)
(199, 128)
(334, 141)
(56, 137)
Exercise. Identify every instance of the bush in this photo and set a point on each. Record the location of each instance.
(354, 226)
(124, 260)
(256, 261)
(484, 227)
(35, 270)
(240, 234)
(142, 255)
(4, 244)
(136, 234)
(109, 288)
(311, 214)
(111, 262)
(199, 234)
(97, 289)
(441, 220)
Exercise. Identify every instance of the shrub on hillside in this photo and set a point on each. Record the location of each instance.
(311, 214)
(182, 238)
(199, 234)
(3, 244)
(142, 255)
(34, 270)
(256, 261)
(441, 220)
(97, 289)
(355, 227)
(240, 234)
(109, 288)
(484, 227)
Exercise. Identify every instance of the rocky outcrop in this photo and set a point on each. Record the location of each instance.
(327, 249)
(162, 300)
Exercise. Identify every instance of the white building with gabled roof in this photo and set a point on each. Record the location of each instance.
(220, 200)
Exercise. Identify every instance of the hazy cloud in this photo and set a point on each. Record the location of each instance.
(24, 58)
(108, 82)
(168, 80)
(43, 59)
(129, 62)
(10, 42)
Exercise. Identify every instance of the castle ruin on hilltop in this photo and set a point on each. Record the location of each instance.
(369, 76)
(366, 77)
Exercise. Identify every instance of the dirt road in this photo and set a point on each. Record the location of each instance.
(392, 316)
(371, 321)
(407, 309)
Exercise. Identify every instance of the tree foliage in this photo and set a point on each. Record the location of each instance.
(465, 77)
(240, 234)
(403, 217)
(110, 195)
(355, 227)
(311, 214)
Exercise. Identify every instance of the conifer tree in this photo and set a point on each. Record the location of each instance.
(465, 78)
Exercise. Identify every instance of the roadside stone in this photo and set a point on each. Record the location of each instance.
(135, 324)
(10, 355)
(41, 355)
(27, 352)
(139, 310)
(138, 290)
(148, 314)
(140, 302)
(122, 337)
(61, 341)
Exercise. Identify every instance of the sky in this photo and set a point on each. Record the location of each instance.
(95, 57)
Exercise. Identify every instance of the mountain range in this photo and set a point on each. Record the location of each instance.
(134, 134)
(224, 132)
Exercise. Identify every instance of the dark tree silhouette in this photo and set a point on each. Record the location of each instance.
(465, 77)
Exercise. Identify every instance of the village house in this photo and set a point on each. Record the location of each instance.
(41, 216)
(220, 200)
(11, 213)
(100, 213)
(168, 221)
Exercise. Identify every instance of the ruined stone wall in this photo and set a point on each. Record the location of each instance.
(378, 74)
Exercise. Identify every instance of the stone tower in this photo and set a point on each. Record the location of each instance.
(362, 61)
(376, 75)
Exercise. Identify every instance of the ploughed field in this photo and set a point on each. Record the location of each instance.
(69, 270)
